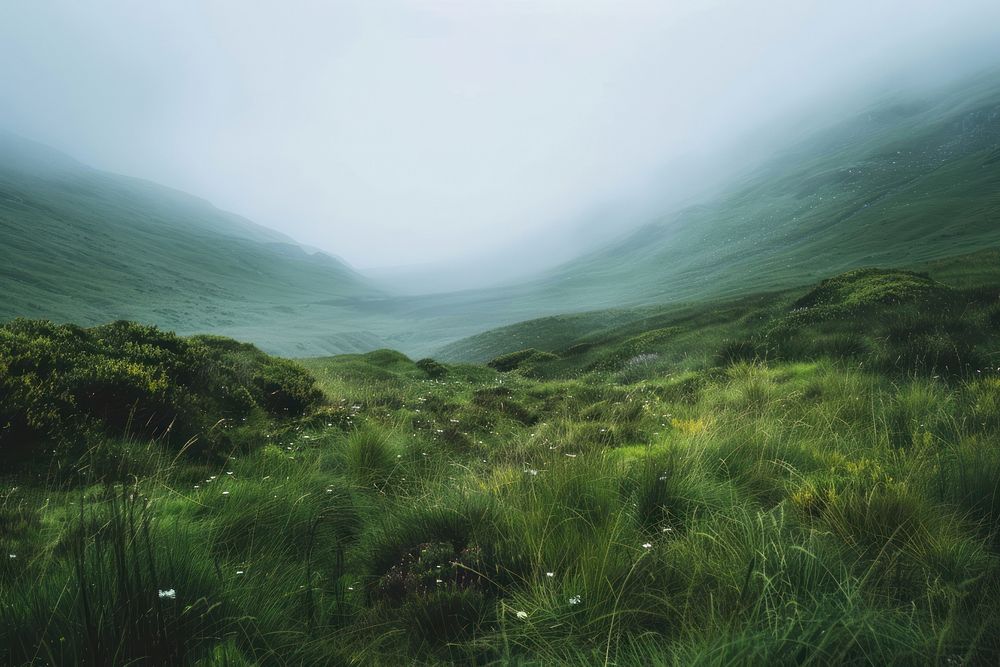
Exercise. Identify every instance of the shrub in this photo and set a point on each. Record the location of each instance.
(520, 359)
(61, 385)
(431, 567)
(433, 369)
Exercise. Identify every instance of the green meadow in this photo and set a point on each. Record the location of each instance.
(798, 477)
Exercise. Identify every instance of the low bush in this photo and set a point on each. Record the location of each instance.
(62, 386)
(433, 369)
(523, 360)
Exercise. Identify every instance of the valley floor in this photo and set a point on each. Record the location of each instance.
(776, 514)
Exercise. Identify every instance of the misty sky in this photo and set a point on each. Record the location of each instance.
(399, 132)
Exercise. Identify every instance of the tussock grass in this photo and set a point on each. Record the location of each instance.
(783, 511)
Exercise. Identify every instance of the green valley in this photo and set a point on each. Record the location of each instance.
(913, 180)
(759, 428)
(798, 477)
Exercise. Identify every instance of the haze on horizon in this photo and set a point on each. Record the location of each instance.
(494, 137)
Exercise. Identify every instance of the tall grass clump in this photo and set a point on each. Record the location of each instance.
(121, 585)
(371, 456)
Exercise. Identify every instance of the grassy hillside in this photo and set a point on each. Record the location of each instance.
(805, 477)
(81, 245)
(698, 327)
(912, 180)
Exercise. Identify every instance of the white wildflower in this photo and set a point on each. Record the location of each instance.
(575, 599)
(169, 594)
(522, 615)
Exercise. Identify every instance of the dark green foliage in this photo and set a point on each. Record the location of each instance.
(525, 360)
(898, 321)
(662, 493)
(433, 369)
(399, 537)
(509, 362)
(61, 384)
(430, 567)
(816, 495)
(735, 351)
(452, 615)
(969, 477)
(578, 348)
(768, 510)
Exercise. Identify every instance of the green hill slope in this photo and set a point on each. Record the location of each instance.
(85, 246)
(939, 316)
(81, 245)
(907, 183)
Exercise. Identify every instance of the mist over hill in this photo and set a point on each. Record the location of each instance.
(913, 178)
(603, 332)
(82, 245)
